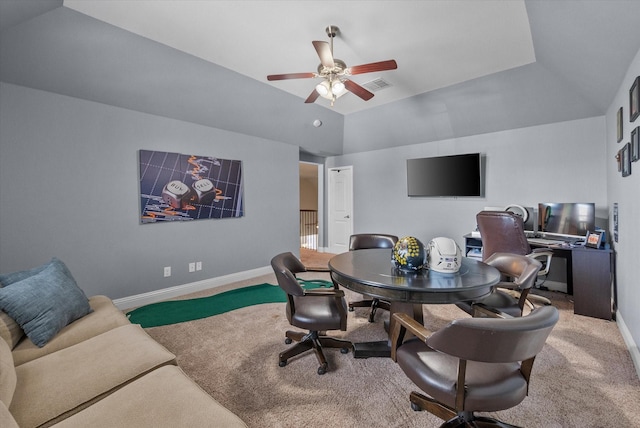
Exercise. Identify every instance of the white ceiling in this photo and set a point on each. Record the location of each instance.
(436, 43)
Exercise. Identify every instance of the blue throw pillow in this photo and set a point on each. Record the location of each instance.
(44, 302)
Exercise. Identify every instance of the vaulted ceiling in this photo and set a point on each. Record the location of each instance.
(482, 65)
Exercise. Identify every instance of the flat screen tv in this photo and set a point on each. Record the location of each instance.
(456, 175)
(567, 219)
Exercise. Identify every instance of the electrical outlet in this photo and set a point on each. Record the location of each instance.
(192, 267)
(167, 271)
(198, 265)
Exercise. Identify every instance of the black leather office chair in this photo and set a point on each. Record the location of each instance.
(472, 364)
(523, 272)
(363, 241)
(316, 310)
(503, 232)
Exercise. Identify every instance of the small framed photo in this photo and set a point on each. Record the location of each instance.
(625, 159)
(635, 144)
(593, 239)
(619, 124)
(634, 100)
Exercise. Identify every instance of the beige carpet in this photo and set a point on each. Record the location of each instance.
(583, 378)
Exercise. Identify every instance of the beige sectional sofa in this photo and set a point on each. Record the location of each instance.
(99, 371)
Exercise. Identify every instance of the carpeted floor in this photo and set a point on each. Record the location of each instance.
(583, 378)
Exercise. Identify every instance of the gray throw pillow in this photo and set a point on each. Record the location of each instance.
(44, 302)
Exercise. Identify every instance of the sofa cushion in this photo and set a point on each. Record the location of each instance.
(45, 302)
(104, 317)
(166, 397)
(8, 377)
(6, 419)
(54, 386)
(10, 331)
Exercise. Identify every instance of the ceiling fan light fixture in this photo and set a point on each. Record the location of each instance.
(337, 87)
(323, 88)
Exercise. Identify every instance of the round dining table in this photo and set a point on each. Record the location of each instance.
(372, 273)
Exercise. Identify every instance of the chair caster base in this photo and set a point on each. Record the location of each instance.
(288, 341)
(282, 363)
(344, 350)
(322, 369)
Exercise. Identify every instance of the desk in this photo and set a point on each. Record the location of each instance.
(590, 275)
(371, 272)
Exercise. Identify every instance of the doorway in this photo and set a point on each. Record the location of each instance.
(340, 212)
(311, 206)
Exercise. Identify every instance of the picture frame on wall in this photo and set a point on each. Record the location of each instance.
(619, 125)
(635, 144)
(634, 100)
(625, 159)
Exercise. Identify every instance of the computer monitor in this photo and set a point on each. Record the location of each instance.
(571, 219)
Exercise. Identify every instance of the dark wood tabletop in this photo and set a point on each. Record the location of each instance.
(371, 272)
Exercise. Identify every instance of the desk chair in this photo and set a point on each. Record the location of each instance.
(315, 310)
(523, 270)
(364, 241)
(503, 232)
(471, 364)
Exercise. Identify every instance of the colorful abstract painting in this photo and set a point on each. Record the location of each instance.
(181, 187)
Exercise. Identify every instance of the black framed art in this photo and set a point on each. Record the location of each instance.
(619, 124)
(634, 100)
(635, 144)
(594, 239)
(625, 159)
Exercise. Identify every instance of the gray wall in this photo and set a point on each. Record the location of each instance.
(69, 188)
(546, 163)
(625, 191)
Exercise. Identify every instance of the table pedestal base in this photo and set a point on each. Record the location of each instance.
(382, 348)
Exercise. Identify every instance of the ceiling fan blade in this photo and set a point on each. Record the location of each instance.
(324, 52)
(358, 90)
(312, 97)
(290, 76)
(372, 67)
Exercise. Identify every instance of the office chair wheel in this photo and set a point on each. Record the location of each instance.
(344, 350)
(288, 341)
(415, 407)
(282, 363)
(322, 369)
(351, 309)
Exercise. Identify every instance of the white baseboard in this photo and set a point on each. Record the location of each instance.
(179, 290)
(628, 340)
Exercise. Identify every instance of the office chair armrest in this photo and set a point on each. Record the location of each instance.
(324, 292)
(483, 309)
(543, 255)
(401, 324)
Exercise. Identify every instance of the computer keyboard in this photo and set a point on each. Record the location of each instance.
(542, 241)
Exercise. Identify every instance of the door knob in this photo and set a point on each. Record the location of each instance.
(347, 216)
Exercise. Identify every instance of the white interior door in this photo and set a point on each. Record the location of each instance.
(340, 197)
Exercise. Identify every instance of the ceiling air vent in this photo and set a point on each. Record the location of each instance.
(376, 85)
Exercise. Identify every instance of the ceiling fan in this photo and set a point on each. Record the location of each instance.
(335, 72)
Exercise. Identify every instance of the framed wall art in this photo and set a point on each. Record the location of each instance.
(634, 100)
(619, 124)
(625, 159)
(182, 187)
(635, 144)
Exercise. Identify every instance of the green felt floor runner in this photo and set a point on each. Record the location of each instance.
(175, 311)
